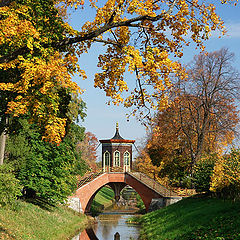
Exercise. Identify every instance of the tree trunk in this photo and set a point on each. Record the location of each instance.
(201, 136)
(3, 138)
(2, 146)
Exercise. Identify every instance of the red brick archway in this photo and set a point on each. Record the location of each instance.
(87, 192)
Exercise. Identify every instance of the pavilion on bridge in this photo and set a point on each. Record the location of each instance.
(117, 153)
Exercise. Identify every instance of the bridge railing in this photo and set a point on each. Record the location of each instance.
(89, 177)
(117, 169)
(162, 190)
(165, 191)
(92, 175)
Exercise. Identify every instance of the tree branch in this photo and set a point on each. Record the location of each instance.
(90, 35)
(5, 3)
(108, 42)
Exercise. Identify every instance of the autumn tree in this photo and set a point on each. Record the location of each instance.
(207, 110)
(165, 150)
(152, 169)
(201, 119)
(39, 50)
(44, 170)
(88, 150)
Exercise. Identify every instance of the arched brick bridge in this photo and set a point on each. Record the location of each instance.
(146, 187)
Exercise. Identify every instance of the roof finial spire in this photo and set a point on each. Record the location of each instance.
(117, 135)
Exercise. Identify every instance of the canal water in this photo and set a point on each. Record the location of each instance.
(110, 226)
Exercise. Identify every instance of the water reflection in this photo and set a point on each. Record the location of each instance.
(117, 236)
(110, 227)
(87, 234)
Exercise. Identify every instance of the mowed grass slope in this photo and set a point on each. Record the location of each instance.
(192, 219)
(104, 198)
(29, 221)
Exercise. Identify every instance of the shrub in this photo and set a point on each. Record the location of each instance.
(225, 180)
(10, 188)
(140, 203)
(203, 171)
(46, 171)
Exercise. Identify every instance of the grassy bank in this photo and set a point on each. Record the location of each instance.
(29, 221)
(192, 219)
(102, 200)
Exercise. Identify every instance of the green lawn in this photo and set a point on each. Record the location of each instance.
(29, 221)
(193, 219)
(103, 199)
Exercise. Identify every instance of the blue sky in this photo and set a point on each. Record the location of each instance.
(101, 118)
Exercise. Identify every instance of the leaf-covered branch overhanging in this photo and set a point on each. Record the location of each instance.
(37, 41)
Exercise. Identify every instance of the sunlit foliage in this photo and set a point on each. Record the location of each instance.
(39, 49)
(45, 170)
(226, 175)
(202, 118)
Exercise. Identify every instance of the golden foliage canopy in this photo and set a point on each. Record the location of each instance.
(225, 178)
(41, 49)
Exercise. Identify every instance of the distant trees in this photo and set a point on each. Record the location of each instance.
(88, 149)
(201, 118)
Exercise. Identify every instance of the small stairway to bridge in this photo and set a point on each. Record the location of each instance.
(88, 178)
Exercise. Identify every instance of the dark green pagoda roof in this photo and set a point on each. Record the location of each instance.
(117, 134)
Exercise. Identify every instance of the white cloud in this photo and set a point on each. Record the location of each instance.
(233, 30)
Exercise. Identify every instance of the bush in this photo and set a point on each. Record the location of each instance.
(203, 171)
(140, 203)
(10, 188)
(226, 175)
(46, 171)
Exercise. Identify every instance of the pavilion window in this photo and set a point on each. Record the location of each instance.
(117, 159)
(126, 158)
(107, 158)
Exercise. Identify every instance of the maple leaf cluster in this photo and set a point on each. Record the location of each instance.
(39, 51)
(41, 71)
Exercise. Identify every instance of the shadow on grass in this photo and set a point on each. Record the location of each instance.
(201, 218)
(108, 194)
(42, 203)
(96, 208)
(5, 232)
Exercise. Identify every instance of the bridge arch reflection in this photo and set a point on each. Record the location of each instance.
(87, 234)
